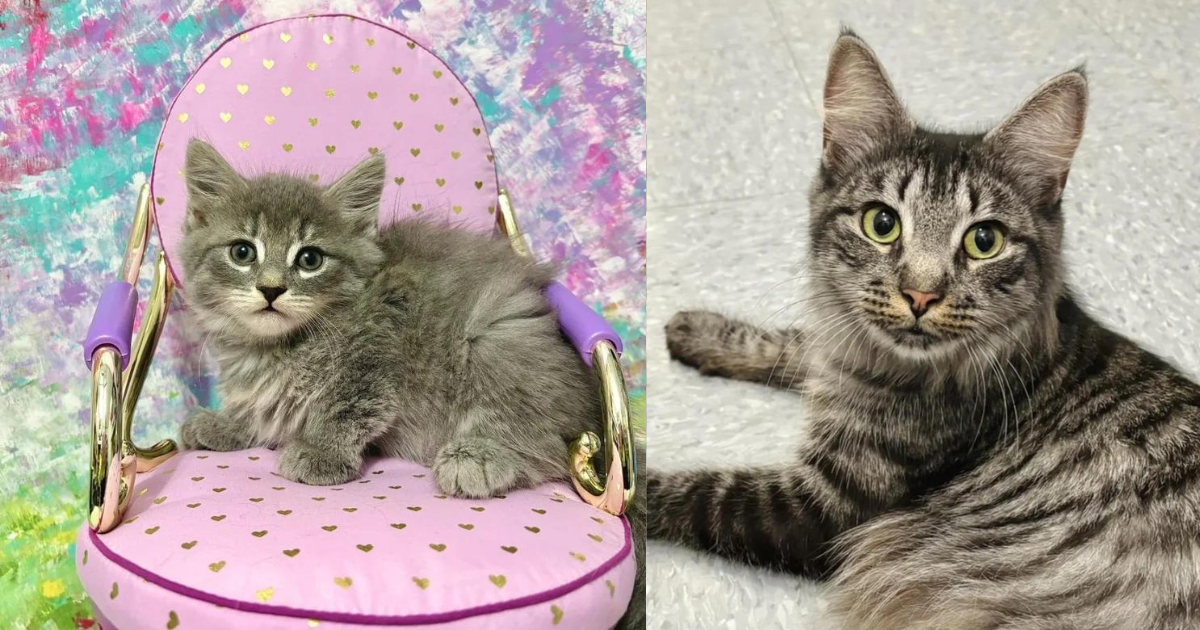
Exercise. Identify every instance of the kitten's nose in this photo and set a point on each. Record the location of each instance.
(271, 293)
(919, 301)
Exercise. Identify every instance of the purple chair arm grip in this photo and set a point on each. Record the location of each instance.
(583, 326)
(112, 325)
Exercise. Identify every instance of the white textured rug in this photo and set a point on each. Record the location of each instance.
(734, 139)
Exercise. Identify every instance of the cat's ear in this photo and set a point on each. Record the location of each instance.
(209, 180)
(359, 192)
(1038, 141)
(860, 103)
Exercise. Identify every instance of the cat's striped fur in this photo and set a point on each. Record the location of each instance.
(1015, 466)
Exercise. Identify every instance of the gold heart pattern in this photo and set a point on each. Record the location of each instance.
(448, 550)
(340, 73)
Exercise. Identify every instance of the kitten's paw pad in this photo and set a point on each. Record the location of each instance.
(313, 467)
(694, 338)
(207, 430)
(475, 469)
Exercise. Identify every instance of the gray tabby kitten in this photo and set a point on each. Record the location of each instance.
(979, 452)
(419, 341)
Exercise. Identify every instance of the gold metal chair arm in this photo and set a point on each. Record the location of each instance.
(115, 459)
(110, 482)
(613, 491)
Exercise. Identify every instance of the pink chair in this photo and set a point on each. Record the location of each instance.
(218, 540)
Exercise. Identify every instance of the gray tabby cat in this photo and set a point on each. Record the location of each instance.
(979, 452)
(419, 341)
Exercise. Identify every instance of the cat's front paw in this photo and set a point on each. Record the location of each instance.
(308, 465)
(475, 468)
(208, 430)
(695, 338)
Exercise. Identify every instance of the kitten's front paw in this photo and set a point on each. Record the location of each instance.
(695, 337)
(208, 430)
(304, 464)
(475, 468)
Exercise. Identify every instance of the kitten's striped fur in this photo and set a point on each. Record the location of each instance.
(1017, 466)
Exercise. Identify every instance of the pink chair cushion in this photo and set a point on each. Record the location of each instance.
(314, 96)
(218, 540)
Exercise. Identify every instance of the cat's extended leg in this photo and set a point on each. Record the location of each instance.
(719, 346)
(210, 430)
(782, 517)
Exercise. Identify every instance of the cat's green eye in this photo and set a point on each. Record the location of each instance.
(310, 259)
(881, 224)
(983, 241)
(242, 253)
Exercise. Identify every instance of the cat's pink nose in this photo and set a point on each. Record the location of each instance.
(919, 301)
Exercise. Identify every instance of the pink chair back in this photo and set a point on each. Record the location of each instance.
(312, 96)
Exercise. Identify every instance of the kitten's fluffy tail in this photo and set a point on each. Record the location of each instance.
(635, 615)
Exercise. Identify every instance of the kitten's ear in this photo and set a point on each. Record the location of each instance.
(860, 103)
(209, 179)
(359, 192)
(1038, 141)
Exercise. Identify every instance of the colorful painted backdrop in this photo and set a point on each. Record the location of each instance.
(83, 90)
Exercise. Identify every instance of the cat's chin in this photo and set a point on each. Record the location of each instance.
(914, 344)
(269, 324)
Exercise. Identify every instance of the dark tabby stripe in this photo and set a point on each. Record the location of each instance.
(762, 516)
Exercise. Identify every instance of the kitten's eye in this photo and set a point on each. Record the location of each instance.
(242, 253)
(983, 241)
(310, 259)
(881, 224)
